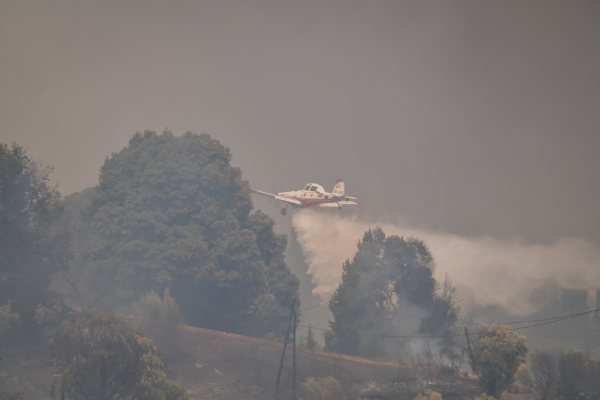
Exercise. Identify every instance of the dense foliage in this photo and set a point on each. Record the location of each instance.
(171, 212)
(30, 253)
(388, 289)
(103, 358)
(498, 354)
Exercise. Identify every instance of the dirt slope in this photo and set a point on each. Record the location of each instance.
(228, 366)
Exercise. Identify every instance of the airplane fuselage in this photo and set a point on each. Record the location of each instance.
(314, 195)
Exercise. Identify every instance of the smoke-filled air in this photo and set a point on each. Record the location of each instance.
(486, 271)
(304, 200)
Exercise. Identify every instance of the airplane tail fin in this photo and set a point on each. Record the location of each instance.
(338, 189)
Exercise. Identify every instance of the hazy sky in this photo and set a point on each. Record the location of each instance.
(471, 117)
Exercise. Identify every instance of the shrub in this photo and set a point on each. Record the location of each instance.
(323, 389)
(498, 354)
(429, 395)
(102, 357)
(485, 397)
(8, 319)
(160, 320)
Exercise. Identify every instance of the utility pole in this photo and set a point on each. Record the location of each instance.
(294, 362)
(287, 334)
(474, 366)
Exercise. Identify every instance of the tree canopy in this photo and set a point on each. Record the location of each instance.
(172, 212)
(388, 288)
(30, 252)
(102, 358)
(498, 354)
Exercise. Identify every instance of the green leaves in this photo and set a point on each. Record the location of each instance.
(171, 212)
(499, 352)
(102, 358)
(31, 253)
(388, 289)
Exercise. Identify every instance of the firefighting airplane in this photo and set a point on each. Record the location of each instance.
(314, 195)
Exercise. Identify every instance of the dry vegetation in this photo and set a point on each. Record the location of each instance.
(227, 366)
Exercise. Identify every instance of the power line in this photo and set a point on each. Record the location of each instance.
(549, 319)
(505, 323)
(310, 308)
(471, 334)
(24, 372)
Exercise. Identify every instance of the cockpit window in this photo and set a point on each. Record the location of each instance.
(313, 189)
(307, 187)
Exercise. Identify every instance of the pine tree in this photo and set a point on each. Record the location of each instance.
(387, 278)
(311, 343)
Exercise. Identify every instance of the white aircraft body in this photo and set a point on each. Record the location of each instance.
(313, 195)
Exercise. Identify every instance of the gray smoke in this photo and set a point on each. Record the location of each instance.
(485, 270)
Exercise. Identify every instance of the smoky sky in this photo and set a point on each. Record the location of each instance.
(476, 118)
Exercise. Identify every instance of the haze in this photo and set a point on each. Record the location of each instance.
(466, 117)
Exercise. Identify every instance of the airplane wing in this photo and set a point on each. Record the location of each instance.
(287, 200)
(343, 202)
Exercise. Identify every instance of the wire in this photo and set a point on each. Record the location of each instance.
(505, 323)
(310, 308)
(537, 320)
(563, 318)
(24, 372)
(549, 319)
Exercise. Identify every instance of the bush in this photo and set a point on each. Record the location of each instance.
(484, 396)
(160, 320)
(429, 395)
(102, 357)
(8, 319)
(498, 354)
(323, 389)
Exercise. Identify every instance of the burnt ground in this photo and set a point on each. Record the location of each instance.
(227, 366)
(224, 366)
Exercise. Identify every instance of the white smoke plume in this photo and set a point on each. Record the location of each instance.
(486, 271)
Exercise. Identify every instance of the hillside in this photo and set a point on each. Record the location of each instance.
(227, 366)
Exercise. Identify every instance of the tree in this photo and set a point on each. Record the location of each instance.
(311, 343)
(565, 375)
(30, 252)
(498, 354)
(542, 376)
(171, 212)
(159, 319)
(572, 374)
(103, 358)
(388, 288)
